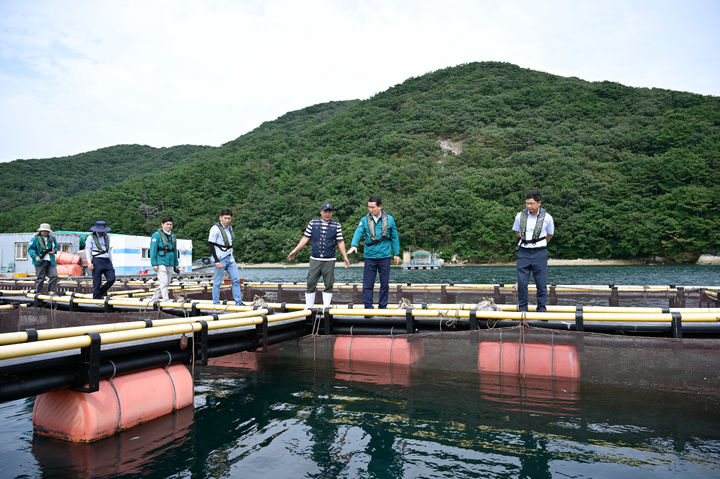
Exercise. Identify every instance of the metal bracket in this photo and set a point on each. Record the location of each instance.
(579, 318)
(409, 321)
(201, 343)
(90, 365)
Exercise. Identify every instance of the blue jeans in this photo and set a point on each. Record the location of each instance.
(229, 265)
(532, 260)
(102, 266)
(371, 269)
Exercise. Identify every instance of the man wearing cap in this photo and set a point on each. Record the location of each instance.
(42, 250)
(164, 257)
(99, 257)
(221, 240)
(379, 232)
(325, 233)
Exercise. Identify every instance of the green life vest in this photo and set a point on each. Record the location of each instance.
(166, 246)
(538, 226)
(223, 232)
(44, 248)
(96, 241)
(384, 228)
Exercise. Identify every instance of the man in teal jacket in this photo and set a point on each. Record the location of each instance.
(42, 251)
(164, 257)
(378, 230)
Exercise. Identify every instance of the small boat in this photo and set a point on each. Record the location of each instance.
(421, 259)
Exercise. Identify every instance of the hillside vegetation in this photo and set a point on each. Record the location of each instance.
(625, 172)
(42, 181)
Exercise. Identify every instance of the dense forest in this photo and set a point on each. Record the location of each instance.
(42, 181)
(625, 172)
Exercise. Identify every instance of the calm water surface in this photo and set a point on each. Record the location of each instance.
(294, 417)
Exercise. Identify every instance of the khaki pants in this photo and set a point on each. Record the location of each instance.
(326, 269)
(164, 275)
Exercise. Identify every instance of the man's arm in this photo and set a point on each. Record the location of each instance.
(341, 247)
(548, 238)
(303, 241)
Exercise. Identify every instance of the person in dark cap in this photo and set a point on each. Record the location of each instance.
(325, 233)
(99, 257)
(41, 250)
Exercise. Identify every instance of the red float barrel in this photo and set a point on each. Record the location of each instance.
(529, 359)
(120, 403)
(62, 257)
(376, 349)
(69, 270)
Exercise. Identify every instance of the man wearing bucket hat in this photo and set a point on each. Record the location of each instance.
(325, 233)
(99, 258)
(42, 250)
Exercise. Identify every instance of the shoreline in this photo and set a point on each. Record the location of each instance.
(551, 262)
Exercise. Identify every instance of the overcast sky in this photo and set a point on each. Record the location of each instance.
(80, 75)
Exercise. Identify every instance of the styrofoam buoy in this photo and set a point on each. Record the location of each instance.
(376, 349)
(529, 359)
(120, 403)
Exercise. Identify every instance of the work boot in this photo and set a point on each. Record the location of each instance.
(327, 299)
(309, 300)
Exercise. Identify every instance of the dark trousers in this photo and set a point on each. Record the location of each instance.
(45, 268)
(102, 266)
(532, 260)
(372, 268)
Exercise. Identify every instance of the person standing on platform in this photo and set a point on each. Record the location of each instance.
(99, 257)
(378, 230)
(164, 257)
(325, 233)
(221, 241)
(534, 228)
(42, 250)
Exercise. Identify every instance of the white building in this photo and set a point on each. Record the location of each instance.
(131, 254)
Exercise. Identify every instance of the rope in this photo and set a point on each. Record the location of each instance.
(405, 304)
(117, 396)
(171, 379)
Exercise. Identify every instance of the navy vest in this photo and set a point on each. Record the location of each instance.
(323, 244)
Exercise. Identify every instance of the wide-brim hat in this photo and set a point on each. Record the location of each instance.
(44, 227)
(100, 227)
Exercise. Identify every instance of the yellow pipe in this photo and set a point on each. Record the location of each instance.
(67, 343)
(56, 333)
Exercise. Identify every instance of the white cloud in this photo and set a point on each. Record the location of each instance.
(80, 75)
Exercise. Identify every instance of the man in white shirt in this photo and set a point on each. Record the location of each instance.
(221, 242)
(534, 228)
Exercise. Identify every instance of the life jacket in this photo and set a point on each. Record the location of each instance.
(538, 226)
(167, 247)
(45, 247)
(323, 244)
(223, 231)
(384, 229)
(96, 241)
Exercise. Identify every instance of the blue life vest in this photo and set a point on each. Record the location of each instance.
(323, 245)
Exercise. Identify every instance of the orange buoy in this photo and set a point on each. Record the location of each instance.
(377, 349)
(69, 270)
(529, 359)
(63, 257)
(120, 403)
(373, 373)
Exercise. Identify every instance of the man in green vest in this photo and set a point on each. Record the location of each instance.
(42, 250)
(379, 232)
(164, 257)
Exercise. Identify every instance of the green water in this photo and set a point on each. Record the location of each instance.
(688, 275)
(302, 418)
(298, 418)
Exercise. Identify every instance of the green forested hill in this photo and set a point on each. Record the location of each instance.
(42, 181)
(625, 172)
